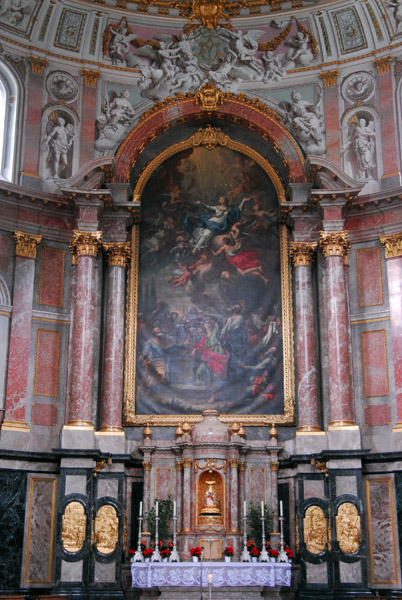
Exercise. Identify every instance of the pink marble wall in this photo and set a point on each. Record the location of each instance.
(382, 550)
(47, 363)
(369, 275)
(257, 484)
(313, 488)
(394, 268)
(88, 124)
(44, 414)
(388, 130)
(51, 276)
(33, 123)
(332, 123)
(374, 363)
(379, 414)
(39, 544)
(4, 244)
(163, 482)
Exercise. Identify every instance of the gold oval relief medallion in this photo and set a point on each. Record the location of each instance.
(348, 528)
(315, 530)
(106, 529)
(74, 522)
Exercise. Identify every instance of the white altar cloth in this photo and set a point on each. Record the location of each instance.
(233, 574)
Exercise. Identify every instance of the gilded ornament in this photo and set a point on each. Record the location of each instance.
(209, 97)
(348, 528)
(209, 12)
(90, 77)
(118, 255)
(86, 243)
(315, 530)
(187, 462)
(210, 464)
(179, 432)
(273, 432)
(233, 463)
(334, 243)
(146, 465)
(26, 244)
(210, 137)
(37, 64)
(242, 431)
(179, 465)
(302, 253)
(274, 465)
(186, 427)
(106, 529)
(392, 244)
(235, 428)
(147, 432)
(330, 77)
(74, 522)
(383, 65)
(242, 466)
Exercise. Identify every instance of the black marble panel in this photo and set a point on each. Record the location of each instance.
(13, 485)
(398, 494)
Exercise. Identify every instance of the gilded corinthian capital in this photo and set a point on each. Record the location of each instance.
(118, 255)
(85, 243)
(334, 243)
(392, 244)
(302, 253)
(26, 244)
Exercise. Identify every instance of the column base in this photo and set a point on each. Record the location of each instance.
(111, 429)
(345, 437)
(78, 435)
(78, 425)
(308, 442)
(15, 426)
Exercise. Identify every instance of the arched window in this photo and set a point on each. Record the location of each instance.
(9, 102)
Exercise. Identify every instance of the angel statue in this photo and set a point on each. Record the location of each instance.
(57, 145)
(13, 11)
(306, 122)
(114, 122)
(397, 6)
(242, 48)
(302, 54)
(274, 70)
(361, 142)
(119, 42)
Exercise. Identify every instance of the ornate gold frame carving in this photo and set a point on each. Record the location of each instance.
(348, 531)
(315, 530)
(74, 522)
(210, 464)
(130, 418)
(106, 529)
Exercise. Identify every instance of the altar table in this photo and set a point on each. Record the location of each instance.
(187, 574)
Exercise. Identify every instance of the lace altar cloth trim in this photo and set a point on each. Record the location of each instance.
(223, 574)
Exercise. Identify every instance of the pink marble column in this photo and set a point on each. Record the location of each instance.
(90, 79)
(73, 287)
(187, 464)
(386, 113)
(302, 255)
(86, 245)
(112, 398)
(20, 332)
(332, 128)
(242, 490)
(34, 115)
(393, 254)
(234, 496)
(274, 464)
(179, 492)
(335, 246)
(147, 464)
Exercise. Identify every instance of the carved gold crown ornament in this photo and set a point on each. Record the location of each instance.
(209, 13)
(209, 97)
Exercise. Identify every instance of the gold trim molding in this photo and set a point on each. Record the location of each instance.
(38, 65)
(329, 77)
(15, 426)
(302, 253)
(392, 244)
(85, 243)
(118, 254)
(90, 77)
(26, 244)
(334, 243)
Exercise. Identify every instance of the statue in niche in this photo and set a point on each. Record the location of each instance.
(361, 147)
(115, 121)
(58, 143)
(211, 503)
(397, 6)
(302, 54)
(306, 122)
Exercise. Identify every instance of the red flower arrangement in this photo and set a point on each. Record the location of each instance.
(273, 552)
(195, 551)
(288, 552)
(170, 545)
(254, 551)
(228, 551)
(143, 545)
(250, 544)
(148, 552)
(165, 553)
(131, 551)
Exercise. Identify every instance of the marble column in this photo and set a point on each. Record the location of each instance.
(302, 255)
(90, 79)
(187, 464)
(391, 175)
(20, 331)
(73, 287)
(234, 496)
(147, 464)
(118, 255)
(274, 464)
(242, 489)
(85, 244)
(332, 128)
(34, 115)
(335, 246)
(393, 255)
(179, 492)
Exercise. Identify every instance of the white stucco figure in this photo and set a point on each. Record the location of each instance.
(274, 70)
(302, 54)
(361, 146)
(241, 58)
(397, 6)
(119, 42)
(306, 123)
(115, 122)
(57, 145)
(13, 11)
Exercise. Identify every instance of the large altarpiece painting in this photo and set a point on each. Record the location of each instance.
(210, 305)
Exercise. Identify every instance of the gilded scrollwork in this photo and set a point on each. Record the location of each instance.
(74, 522)
(348, 530)
(315, 530)
(106, 529)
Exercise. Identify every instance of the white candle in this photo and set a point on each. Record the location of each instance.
(157, 509)
(141, 508)
(262, 508)
(281, 508)
(174, 508)
(245, 508)
(210, 577)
